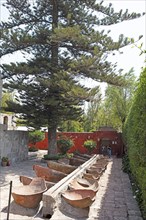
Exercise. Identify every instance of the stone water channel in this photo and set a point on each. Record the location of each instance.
(52, 200)
(114, 199)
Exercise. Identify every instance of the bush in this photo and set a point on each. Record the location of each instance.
(90, 145)
(36, 136)
(69, 155)
(5, 159)
(64, 144)
(53, 157)
(126, 164)
(32, 149)
(135, 137)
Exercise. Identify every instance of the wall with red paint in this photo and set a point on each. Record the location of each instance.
(114, 138)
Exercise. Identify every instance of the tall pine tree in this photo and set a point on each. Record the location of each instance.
(62, 43)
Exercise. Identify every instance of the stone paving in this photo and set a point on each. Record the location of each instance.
(114, 199)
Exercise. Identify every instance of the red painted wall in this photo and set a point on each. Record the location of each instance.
(115, 140)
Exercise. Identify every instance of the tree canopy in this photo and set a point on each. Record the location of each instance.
(113, 107)
(61, 43)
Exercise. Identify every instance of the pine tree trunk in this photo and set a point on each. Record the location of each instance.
(52, 141)
(54, 48)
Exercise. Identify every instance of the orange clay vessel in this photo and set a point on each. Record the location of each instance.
(29, 196)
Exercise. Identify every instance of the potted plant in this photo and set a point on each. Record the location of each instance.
(90, 145)
(5, 161)
(64, 143)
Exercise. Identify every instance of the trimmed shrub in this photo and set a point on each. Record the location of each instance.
(64, 143)
(53, 157)
(90, 145)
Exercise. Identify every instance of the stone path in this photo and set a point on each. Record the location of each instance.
(114, 199)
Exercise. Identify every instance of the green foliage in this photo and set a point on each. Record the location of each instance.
(32, 149)
(53, 157)
(91, 119)
(36, 136)
(134, 135)
(6, 98)
(135, 186)
(114, 108)
(126, 164)
(5, 159)
(71, 126)
(61, 45)
(69, 155)
(90, 145)
(64, 143)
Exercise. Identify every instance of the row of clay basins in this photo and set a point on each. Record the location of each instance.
(76, 192)
(66, 187)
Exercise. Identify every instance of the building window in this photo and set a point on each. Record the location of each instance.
(5, 120)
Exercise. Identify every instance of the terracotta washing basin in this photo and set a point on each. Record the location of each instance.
(25, 180)
(76, 161)
(79, 198)
(49, 174)
(85, 156)
(29, 196)
(64, 168)
(86, 182)
(95, 171)
(102, 161)
(76, 185)
(91, 176)
(80, 158)
(98, 168)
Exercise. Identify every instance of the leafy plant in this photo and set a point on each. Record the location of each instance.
(5, 159)
(69, 155)
(90, 145)
(126, 164)
(36, 136)
(64, 143)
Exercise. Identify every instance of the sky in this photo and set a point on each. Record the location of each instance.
(132, 29)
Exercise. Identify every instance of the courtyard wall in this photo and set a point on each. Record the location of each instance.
(13, 144)
(104, 136)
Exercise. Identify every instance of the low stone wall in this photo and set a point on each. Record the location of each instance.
(13, 144)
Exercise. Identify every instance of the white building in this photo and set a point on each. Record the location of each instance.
(8, 120)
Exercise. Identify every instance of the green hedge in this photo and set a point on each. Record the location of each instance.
(135, 138)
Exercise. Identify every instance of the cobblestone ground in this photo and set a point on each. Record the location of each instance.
(114, 199)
